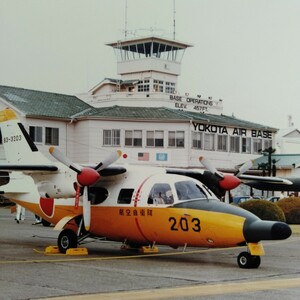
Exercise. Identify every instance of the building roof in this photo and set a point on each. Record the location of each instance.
(52, 105)
(290, 132)
(156, 39)
(43, 104)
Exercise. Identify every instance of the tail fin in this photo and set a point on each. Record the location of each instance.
(18, 146)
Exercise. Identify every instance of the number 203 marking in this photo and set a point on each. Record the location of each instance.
(184, 224)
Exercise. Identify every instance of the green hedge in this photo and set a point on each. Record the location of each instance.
(291, 208)
(264, 209)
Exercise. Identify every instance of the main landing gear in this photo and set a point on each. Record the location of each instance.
(247, 261)
(68, 239)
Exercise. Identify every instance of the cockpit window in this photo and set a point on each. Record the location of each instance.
(188, 190)
(161, 194)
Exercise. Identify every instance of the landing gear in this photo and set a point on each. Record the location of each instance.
(247, 261)
(67, 239)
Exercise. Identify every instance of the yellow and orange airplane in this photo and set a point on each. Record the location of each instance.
(136, 205)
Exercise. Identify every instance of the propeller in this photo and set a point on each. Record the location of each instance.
(209, 166)
(244, 168)
(86, 176)
(226, 182)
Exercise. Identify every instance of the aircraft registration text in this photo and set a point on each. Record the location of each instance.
(13, 138)
(184, 224)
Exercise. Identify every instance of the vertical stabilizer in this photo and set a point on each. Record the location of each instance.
(18, 146)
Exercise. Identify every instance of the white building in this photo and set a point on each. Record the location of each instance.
(142, 113)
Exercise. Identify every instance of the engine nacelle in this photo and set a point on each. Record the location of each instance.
(48, 189)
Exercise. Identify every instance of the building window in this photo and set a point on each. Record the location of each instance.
(267, 144)
(111, 137)
(36, 133)
(144, 86)
(158, 86)
(222, 143)
(176, 139)
(235, 144)
(197, 140)
(155, 138)
(170, 87)
(52, 136)
(209, 141)
(257, 146)
(246, 145)
(133, 138)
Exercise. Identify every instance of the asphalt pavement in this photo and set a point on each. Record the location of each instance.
(108, 272)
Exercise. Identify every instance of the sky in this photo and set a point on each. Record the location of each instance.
(246, 52)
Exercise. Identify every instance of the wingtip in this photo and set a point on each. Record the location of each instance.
(51, 149)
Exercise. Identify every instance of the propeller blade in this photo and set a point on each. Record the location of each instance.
(65, 160)
(86, 209)
(108, 160)
(209, 166)
(244, 168)
(227, 197)
(77, 196)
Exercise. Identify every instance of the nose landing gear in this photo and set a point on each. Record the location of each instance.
(247, 261)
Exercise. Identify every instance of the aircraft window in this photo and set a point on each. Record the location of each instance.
(187, 190)
(97, 195)
(161, 193)
(125, 196)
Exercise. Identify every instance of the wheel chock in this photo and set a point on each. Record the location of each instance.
(77, 251)
(148, 249)
(51, 250)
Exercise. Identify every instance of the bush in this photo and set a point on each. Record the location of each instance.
(264, 209)
(291, 208)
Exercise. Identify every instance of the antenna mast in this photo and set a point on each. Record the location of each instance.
(125, 31)
(174, 28)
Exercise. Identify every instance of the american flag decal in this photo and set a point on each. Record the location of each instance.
(143, 156)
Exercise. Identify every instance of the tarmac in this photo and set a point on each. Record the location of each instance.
(108, 272)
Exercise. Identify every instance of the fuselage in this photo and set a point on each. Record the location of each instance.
(146, 205)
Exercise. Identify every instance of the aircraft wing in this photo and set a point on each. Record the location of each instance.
(264, 179)
(293, 186)
(112, 171)
(10, 167)
(108, 171)
(258, 182)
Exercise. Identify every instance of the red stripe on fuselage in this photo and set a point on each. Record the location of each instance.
(136, 199)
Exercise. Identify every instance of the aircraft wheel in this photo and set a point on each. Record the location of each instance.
(247, 261)
(255, 262)
(67, 239)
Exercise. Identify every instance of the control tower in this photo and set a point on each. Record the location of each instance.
(149, 68)
(154, 61)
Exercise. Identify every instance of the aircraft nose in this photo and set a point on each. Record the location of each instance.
(258, 230)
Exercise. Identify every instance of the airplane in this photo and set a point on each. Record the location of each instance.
(139, 206)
